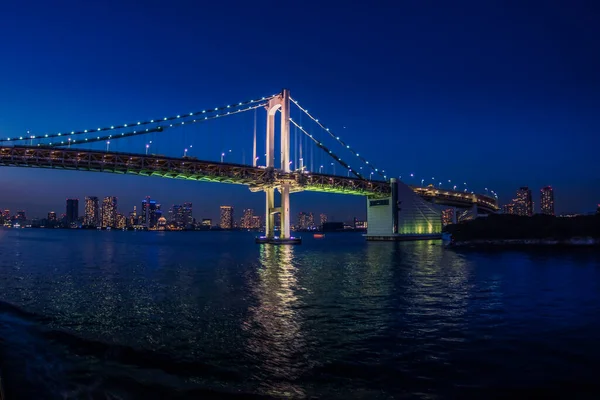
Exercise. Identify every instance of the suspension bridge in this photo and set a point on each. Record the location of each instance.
(306, 162)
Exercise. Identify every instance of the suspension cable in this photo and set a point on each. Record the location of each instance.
(140, 123)
(376, 170)
(329, 152)
(159, 128)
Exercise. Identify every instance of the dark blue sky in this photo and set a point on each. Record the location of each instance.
(495, 94)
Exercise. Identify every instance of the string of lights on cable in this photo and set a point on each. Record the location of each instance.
(159, 128)
(137, 124)
(329, 152)
(340, 141)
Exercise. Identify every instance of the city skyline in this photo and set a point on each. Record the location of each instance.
(483, 99)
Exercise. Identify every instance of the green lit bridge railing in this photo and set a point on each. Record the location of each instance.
(198, 170)
(185, 168)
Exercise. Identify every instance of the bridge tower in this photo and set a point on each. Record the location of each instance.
(280, 102)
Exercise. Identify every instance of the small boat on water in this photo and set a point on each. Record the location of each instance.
(319, 235)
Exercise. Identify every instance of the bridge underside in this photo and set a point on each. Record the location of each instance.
(186, 168)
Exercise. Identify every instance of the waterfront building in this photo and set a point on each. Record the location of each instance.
(256, 222)
(21, 215)
(207, 222)
(121, 221)
(72, 211)
(133, 218)
(188, 217)
(306, 221)
(109, 212)
(523, 204)
(322, 219)
(247, 219)
(91, 210)
(508, 208)
(547, 200)
(145, 211)
(360, 225)
(447, 216)
(226, 221)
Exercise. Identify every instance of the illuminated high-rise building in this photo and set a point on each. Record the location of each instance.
(72, 210)
(247, 219)
(226, 221)
(523, 204)
(91, 212)
(256, 222)
(52, 217)
(547, 200)
(145, 211)
(508, 208)
(188, 217)
(323, 219)
(109, 212)
(121, 221)
(6, 215)
(133, 217)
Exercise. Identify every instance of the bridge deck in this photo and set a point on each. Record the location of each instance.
(184, 168)
(199, 170)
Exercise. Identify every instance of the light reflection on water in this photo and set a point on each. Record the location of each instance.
(333, 318)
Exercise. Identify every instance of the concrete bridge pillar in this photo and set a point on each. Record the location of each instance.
(281, 103)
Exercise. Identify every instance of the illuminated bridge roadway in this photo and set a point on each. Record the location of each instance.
(256, 178)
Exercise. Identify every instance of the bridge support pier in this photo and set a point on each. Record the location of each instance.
(282, 103)
(270, 213)
(402, 216)
(284, 232)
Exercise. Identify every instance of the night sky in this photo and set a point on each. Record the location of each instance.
(495, 94)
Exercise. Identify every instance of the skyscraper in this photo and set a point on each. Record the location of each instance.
(145, 211)
(256, 222)
(323, 219)
(523, 204)
(91, 212)
(121, 222)
(226, 217)
(247, 219)
(72, 210)
(547, 200)
(109, 212)
(52, 217)
(188, 217)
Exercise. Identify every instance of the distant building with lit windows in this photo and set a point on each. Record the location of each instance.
(323, 219)
(207, 222)
(508, 208)
(109, 212)
(91, 216)
(256, 222)
(52, 217)
(547, 200)
(121, 221)
(447, 216)
(247, 219)
(72, 210)
(226, 221)
(523, 204)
